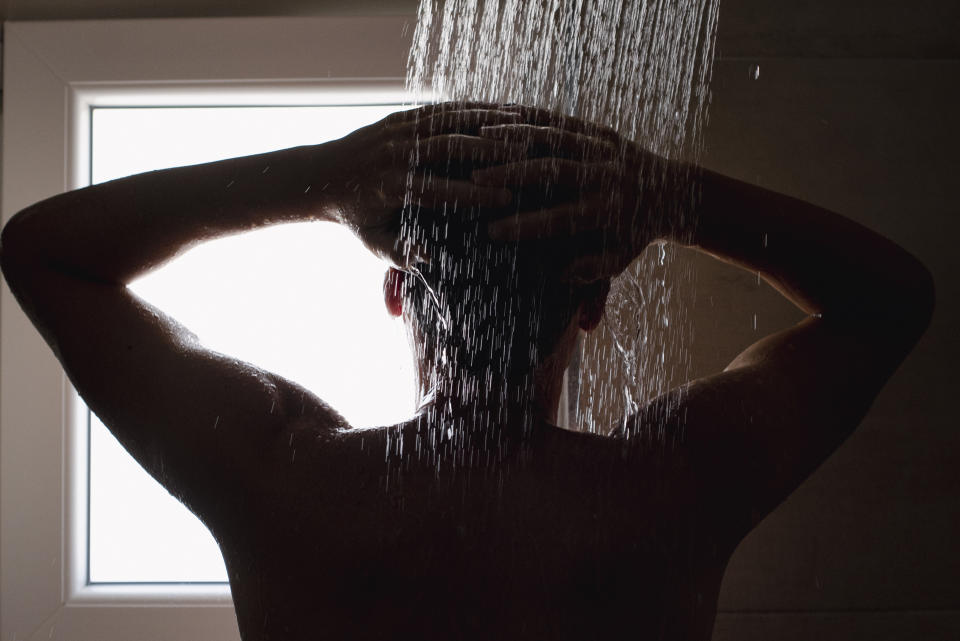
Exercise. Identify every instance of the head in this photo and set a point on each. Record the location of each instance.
(492, 312)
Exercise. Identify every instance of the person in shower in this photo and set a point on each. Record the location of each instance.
(478, 518)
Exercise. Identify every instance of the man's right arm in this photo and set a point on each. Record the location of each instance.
(826, 264)
(756, 430)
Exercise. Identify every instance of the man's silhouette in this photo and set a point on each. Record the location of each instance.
(477, 518)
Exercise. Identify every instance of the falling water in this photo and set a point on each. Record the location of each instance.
(642, 67)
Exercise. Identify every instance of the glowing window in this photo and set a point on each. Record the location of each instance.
(302, 300)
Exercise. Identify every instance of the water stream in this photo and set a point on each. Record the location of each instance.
(642, 67)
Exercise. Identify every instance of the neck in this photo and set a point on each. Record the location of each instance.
(527, 397)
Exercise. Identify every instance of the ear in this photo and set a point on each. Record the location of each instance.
(393, 291)
(594, 302)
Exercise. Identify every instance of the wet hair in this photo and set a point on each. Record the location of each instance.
(495, 308)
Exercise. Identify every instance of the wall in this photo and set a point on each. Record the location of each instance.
(823, 28)
(855, 109)
(865, 549)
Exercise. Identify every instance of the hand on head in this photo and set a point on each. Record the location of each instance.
(537, 177)
(481, 165)
(584, 189)
(419, 158)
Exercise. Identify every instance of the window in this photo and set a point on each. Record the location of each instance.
(277, 277)
(57, 74)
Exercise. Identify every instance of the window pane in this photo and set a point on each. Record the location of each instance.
(302, 300)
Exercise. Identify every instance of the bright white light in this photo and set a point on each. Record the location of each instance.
(300, 300)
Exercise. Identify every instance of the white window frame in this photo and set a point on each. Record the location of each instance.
(54, 73)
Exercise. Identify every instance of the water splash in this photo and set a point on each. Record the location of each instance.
(642, 67)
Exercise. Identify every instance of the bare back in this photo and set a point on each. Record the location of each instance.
(565, 536)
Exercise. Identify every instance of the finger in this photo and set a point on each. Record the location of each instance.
(534, 172)
(425, 111)
(462, 148)
(468, 121)
(559, 141)
(545, 117)
(434, 191)
(557, 222)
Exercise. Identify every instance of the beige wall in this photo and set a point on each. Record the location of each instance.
(866, 549)
(855, 109)
(833, 28)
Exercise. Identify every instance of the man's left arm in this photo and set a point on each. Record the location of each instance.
(202, 422)
(197, 421)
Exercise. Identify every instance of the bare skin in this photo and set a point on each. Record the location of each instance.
(331, 532)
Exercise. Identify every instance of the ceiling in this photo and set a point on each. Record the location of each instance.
(748, 28)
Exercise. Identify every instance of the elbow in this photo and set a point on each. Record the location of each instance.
(914, 305)
(926, 300)
(896, 312)
(11, 247)
(18, 246)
